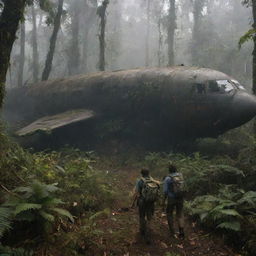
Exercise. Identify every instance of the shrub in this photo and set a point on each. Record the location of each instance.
(36, 203)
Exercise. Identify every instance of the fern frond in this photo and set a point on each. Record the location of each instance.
(230, 212)
(203, 216)
(47, 216)
(63, 212)
(23, 189)
(248, 198)
(50, 202)
(231, 225)
(52, 187)
(7, 251)
(105, 212)
(5, 219)
(25, 207)
(229, 169)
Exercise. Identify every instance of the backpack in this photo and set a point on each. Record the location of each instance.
(177, 184)
(150, 189)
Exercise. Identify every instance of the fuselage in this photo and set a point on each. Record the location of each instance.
(169, 102)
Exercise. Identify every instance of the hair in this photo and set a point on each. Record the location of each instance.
(144, 172)
(172, 168)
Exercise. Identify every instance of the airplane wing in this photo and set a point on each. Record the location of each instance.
(50, 123)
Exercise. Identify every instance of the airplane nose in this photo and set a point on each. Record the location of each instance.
(244, 106)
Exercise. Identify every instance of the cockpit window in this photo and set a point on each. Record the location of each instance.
(238, 86)
(221, 86)
(213, 86)
(225, 85)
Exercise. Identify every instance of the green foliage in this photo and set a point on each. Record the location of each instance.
(247, 37)
(82, 186)
(14, 161)
(171, 254)
(5, 220)
(37, 203)
(229, 209)
(7, 251)
(88, 236)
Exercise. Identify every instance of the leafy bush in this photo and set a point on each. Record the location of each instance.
(7, 251)
(87, 237)
(5, 220)
(14, 162)
(36, 203)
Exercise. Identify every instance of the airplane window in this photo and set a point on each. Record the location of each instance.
(236, 83)
(213, 86)
(221, 86)
(225, 85)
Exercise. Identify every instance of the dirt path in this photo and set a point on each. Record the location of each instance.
(121, 237)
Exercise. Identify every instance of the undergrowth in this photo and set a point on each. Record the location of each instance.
(54, 188)
(45, 195)
(220, 188)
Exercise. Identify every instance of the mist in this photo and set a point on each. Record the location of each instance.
(206, 34)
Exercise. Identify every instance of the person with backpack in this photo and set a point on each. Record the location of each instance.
(146, 193)
(174, 192)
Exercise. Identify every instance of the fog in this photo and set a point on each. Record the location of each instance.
(136, 35)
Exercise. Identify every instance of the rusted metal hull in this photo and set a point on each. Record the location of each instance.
(157, 102)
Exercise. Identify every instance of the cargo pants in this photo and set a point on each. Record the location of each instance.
(146, 212)
(177, 205)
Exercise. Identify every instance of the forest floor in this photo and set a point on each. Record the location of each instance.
(121, 231)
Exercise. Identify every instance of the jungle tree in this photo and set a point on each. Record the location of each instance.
(53, 39)
(158, 15)
(22, 53)
(35, 45)
(73, 53)
(254, 48)
(147, 34)
(101, 12)
(197, 13)
(11, 15)
(251, 34)
(171, 27)
(89, 19)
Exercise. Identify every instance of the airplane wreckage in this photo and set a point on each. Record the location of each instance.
(148, 105)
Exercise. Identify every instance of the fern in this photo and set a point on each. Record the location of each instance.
(248, 201)
(231, 225)
(63, 213)
(105, 212)
(47, 216)
(25, 207)
(7, 251)
(5, 220)
(37, 202)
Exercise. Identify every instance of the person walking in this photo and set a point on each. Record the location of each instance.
(146, 193)
(174, 193)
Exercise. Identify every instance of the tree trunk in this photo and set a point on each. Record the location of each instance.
(22, 54)
(57, 22)
(102, 14)
(74, 54)
(254, 49)
(35, 47)
(9, 22)
(171, 31)
(160, 42)
(147, 35)
(89, 19)
(197, 13)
